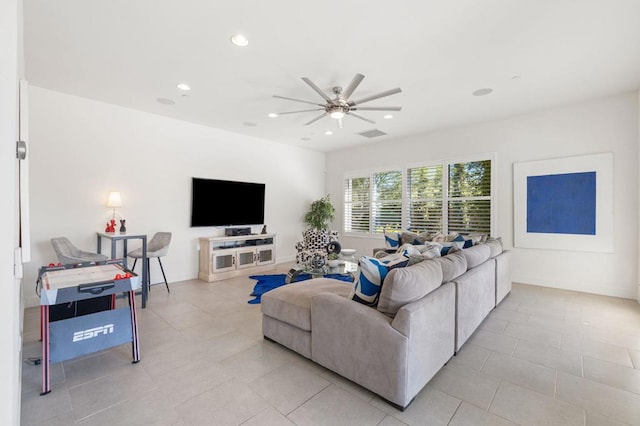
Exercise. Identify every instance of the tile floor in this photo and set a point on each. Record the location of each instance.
(543, 356)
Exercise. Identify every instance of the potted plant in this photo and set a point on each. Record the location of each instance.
(320, 213)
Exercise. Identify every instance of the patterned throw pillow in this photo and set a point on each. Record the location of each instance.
(407, 237)
(447, 248)
(462, 243)
(392, 239)
(372, 274)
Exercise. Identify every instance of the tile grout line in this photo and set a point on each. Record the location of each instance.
(454, 413)
(493, 397)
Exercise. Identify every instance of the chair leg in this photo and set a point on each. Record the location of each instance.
(135, 259)
(164, 276)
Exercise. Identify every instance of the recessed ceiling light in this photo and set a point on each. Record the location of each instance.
(515, 77)
(183, 86)
(388, 116)
(165, 101)
(239, 40)
(482, 92)
(328, 133)
(273, 115)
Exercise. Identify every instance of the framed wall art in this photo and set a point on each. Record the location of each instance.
(564, 203)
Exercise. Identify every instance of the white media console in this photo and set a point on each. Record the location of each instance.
(228, 257)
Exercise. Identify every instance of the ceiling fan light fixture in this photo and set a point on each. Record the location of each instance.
(337, 114)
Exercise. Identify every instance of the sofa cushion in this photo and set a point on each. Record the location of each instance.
(291, 303)
(372, 274)
(476, 255)
(495, 244)
(452, 265)
(406, 285)
(392, 239)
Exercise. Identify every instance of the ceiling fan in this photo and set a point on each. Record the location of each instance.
(341, 105)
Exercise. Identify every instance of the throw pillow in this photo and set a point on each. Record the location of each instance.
(413, 238)
(446, 248)
(461, 242)
(372, 274)
(392, 239)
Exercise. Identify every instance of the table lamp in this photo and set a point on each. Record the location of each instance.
(114, 201)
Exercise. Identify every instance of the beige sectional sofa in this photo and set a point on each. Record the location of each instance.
(424, 315)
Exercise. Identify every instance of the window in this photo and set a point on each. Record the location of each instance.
(373, 202)
(424, 192)
(448, 196)
(469, 202)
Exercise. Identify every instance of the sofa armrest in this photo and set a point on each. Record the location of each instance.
(358, 342)
(429, 325)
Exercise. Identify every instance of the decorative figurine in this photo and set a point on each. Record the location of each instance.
(264, 229)
(111, 226)
(123, 228)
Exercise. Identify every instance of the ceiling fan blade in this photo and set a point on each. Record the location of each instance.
(378, 96)
(376, 108)
(316, 119)
(297, 100)
(352, 86)
(302, 110)
(361, 117)
(317, 89)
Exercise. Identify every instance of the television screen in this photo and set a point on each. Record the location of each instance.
(226, 203)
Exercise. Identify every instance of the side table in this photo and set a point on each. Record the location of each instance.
(114, 238)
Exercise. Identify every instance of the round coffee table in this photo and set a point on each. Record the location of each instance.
(345, 268)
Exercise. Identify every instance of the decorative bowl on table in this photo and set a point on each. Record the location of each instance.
(333, 263)
(348, 255)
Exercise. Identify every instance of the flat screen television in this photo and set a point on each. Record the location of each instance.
(217, 202)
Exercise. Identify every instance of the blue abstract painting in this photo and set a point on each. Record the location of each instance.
(562, 203)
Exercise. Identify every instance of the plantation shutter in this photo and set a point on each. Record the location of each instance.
(357, 216)
(424, 192)
(469, 197)
(387, 201)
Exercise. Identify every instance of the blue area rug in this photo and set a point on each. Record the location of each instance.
(269, 282)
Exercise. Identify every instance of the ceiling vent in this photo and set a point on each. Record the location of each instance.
(374, 133)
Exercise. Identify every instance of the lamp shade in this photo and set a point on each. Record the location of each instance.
(114, 199)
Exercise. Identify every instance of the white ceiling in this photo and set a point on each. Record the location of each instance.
(131, 53)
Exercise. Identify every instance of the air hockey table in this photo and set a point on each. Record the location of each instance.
(78, 335)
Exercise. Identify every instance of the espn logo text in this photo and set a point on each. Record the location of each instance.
(92, 332)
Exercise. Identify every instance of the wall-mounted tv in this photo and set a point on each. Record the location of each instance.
(226, 203)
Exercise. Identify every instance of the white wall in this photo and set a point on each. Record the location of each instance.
(82, 149)
(10, 302)
(602, 125)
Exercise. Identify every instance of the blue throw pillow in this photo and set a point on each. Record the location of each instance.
(392, 239)
(372, 274)
(462, 242)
